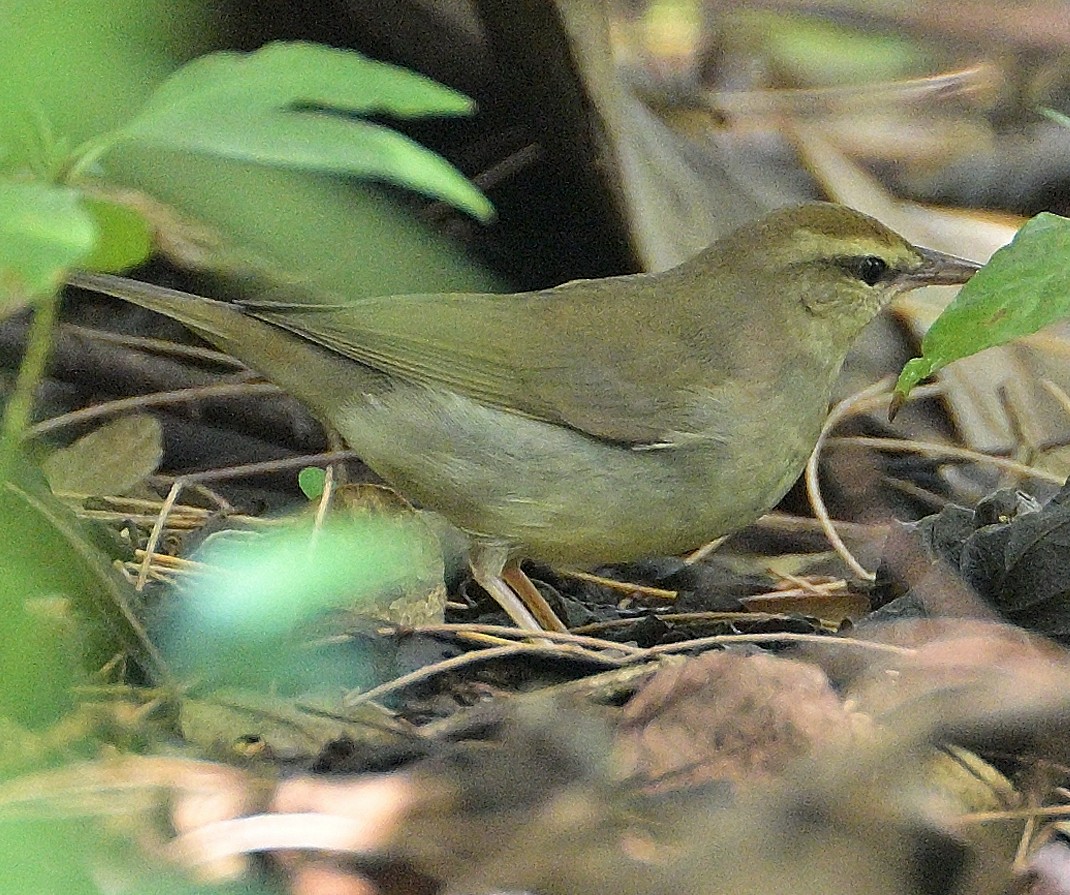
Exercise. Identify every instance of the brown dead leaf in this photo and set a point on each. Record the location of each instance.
(730, 717)
(953, 653)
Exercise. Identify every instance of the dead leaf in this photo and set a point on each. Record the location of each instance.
(730, 717)
(111, 460)
(234, 723)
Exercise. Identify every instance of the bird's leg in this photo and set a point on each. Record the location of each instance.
(522, 586)
(492, 569)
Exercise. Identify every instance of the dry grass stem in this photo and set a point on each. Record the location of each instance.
(625, 587)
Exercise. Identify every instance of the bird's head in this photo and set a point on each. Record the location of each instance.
(832, 264)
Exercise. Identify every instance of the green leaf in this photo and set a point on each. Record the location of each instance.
(49, 563)
(44, 231)
(312, 481)
(1025, 287)
(125, 236)
(291, 106)
(54, 846)
(294, 74)
(318, 141)
(53, 856)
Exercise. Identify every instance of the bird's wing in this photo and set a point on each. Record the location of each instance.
(579, 370)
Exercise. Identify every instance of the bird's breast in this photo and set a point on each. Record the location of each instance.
(556, 494)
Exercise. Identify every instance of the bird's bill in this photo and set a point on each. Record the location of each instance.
(939, 269)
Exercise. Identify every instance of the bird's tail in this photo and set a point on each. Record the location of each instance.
(215, 321)
(319, 378)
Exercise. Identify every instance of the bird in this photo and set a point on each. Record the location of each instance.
(599, 421)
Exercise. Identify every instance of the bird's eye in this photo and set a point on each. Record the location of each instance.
(870, 269)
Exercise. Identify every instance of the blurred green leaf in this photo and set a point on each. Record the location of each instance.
(125, 238)
(44, 230)
(47, 856)
(268, 585)
(312, 481)
(1022, 289)
(283, 106)
(304, 225)
(73, 70)
(817, 52)
(53, 854)
(54, 573)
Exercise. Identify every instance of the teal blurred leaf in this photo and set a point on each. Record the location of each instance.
(248, 619)
(292, 105)
(1022, 289)
(268, 586)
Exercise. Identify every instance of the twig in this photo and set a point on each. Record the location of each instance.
(157, 533)
(517, 633)
(813, 486)
(950, 452)
(474, 658)
(156, 399)
(250, 469)
(155, 346)
(786, 637)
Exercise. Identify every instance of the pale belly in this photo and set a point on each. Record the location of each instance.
(554, 494)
